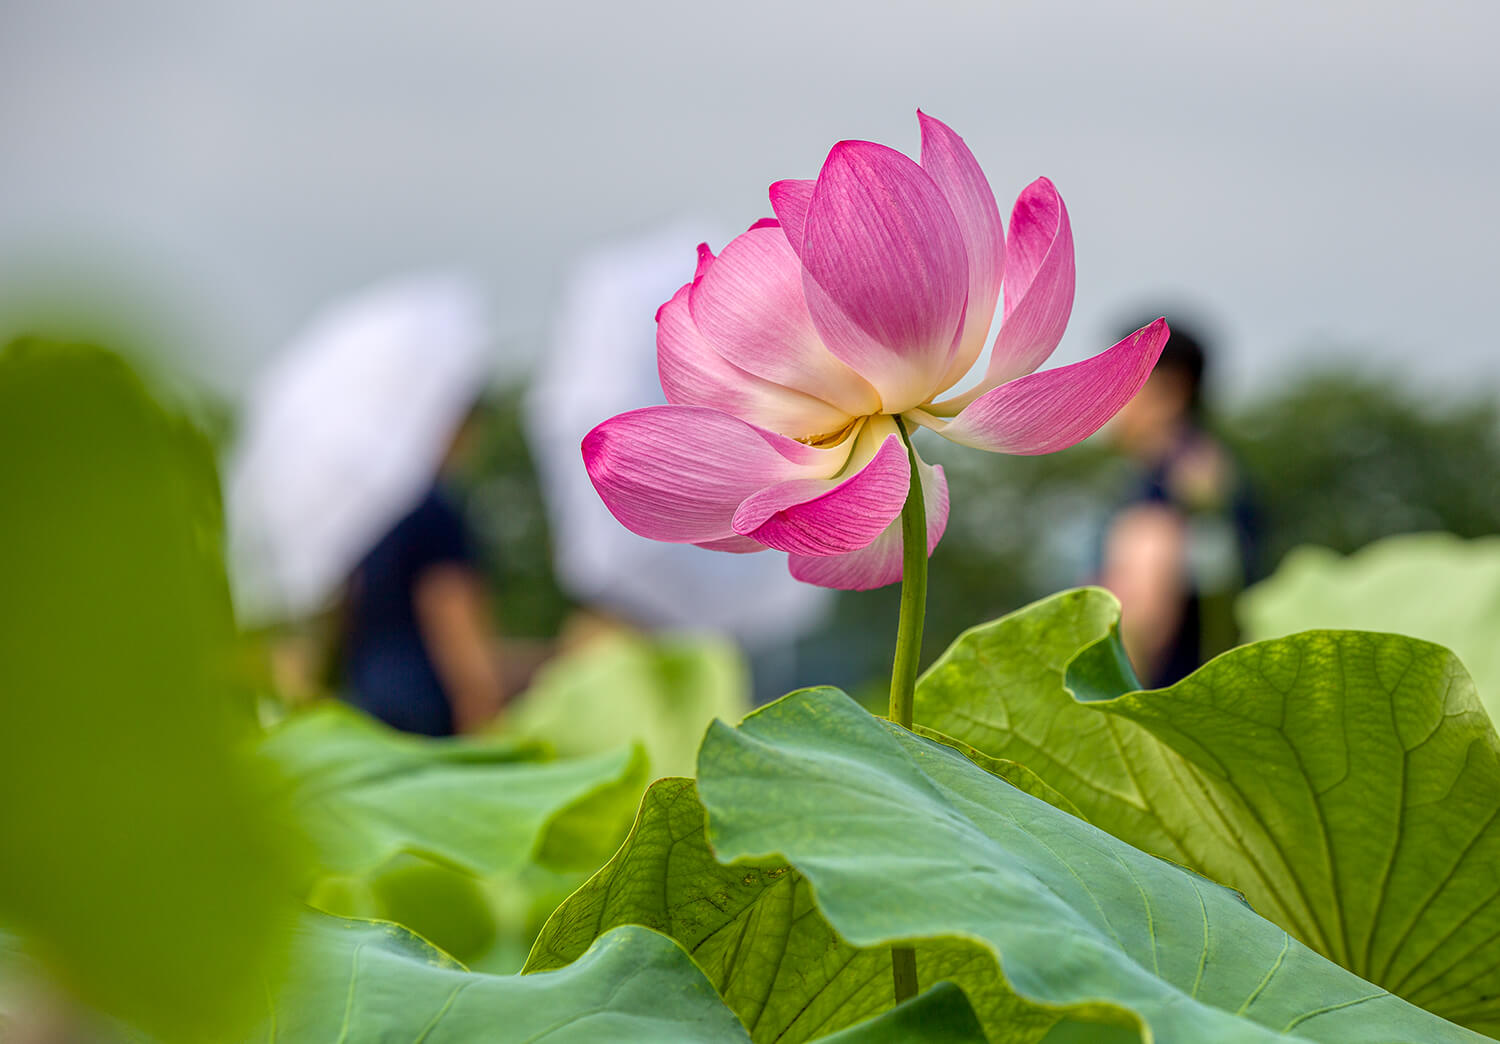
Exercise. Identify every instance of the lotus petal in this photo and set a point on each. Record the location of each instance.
(693, 374)
(810, 516)
(880, 563)
(956, 173)
(1050, 411)
(887, 275)
(748, 305)
(1039, 282)
(678, 473)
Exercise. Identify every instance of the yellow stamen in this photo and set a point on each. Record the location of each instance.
(831, 438)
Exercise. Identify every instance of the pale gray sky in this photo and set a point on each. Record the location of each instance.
(1317, 175)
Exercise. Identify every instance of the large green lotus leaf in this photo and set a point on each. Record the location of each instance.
(1428, 585)
(756, 931)
(371, 981)
(1201, 797)
(660, 692)
(130, 816)
(368, 793)
(900, 838)
(1346, 782)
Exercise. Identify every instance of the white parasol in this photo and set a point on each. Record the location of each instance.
(344, 432)
(602, 361)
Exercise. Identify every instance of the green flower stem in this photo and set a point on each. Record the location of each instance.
(908, 657)
(913, 593)
(904, 972)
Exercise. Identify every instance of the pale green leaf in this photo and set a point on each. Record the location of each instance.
(1428, 585)
(461, 840)
(660, 692)
(367, 793)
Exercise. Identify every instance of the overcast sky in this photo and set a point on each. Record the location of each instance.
(1315, 177)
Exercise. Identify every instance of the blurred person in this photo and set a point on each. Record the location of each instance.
(335, 498)
(1182, 544)
(417, 646)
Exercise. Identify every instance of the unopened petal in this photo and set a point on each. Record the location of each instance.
(887, 272)
(880, 563)
(1049, 411)
(956, 173)
(818, 517)
(748, 305)
(694, 374)
(678, 473)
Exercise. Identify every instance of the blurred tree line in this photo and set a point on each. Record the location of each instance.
(1335, 459)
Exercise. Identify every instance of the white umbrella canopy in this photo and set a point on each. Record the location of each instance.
(602, 361)
(344, 432)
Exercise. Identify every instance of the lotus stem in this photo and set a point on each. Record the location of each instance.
(908, 657)
(913, 593)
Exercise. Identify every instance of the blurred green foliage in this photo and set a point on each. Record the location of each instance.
(457, 838)
(1340, 461)
(141, 859)
(358, 981)
(507, 513)
(662, 693)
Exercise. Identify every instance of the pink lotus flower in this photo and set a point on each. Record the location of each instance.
(788, 357)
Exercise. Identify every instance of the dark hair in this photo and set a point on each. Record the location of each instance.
(1185, 356)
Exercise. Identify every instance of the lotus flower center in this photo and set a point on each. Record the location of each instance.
(832, 438)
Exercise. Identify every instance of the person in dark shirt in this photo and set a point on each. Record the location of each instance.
(418, 650)
(1182, 545)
